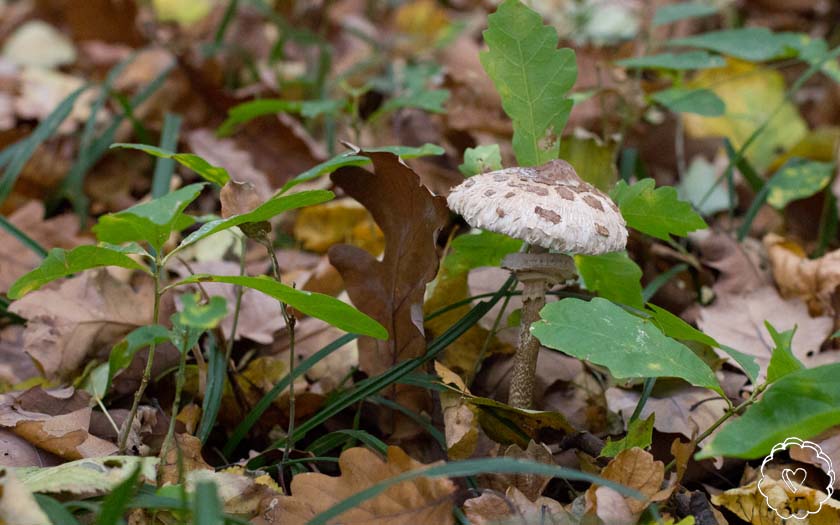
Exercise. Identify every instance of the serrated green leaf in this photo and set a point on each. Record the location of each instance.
(533, 78)
(689, 61)
(479, 249)
(250, 110)
(798, 179)
(801, 404)
(202, 316)
(351, 159)
(481, 159)
(614, 276)
(123, 352)
(324, 307)
(263, 212)
(782, 360)
(639, 434)
(151, 221)
(655, 212)
(755, 44)
(61, 263)
(603, 333)
(700, 101)
(681, 11)
(209, 172)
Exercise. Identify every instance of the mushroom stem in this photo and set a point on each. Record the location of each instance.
(525, 362)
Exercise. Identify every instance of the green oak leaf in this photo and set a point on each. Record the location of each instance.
(61, 263)
(801, 404)
(151, 221)
(656, 212)
(533, 78)
(605, 334)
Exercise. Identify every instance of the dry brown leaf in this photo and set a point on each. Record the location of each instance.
(743, 266)
(339, 221)
(460, 419)
(514, 508)
(238, 198)
(829, 442)
(685, 411)
(738, 322)
(15, 365)
(182, 457)
(391, 290)
(529, 485)
(57, 232)
(17, 505)
(42, 90)
(226, 154)
(812, 280)
(17, 452)
(80, 320)
(749, 504)
(241, 495)
(57, 421)
(422, 500)
(634, 468)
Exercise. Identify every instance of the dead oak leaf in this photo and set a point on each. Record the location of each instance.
(531, 486)
(57, 421)
(493, 509)
(812, 280)
(79, 320)
(738, 322)
(391, 291)
(636, 469)
(421, 500)
(748, 503)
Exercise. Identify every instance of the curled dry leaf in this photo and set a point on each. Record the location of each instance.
(57, 421)
(493, 509)
(460, 419)
(812, 280)
(636, 469)
(241, 495)
(529, 485)
(391, 290)
(80, 320)
(238, 198)
(738, 322)
(421, 500)
(750, 505)
(182, 457)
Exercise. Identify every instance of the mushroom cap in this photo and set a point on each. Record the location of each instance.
(548, 206)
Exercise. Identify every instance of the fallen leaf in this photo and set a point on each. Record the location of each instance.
(242, 495)
(17, 452)
(391, 290)
(61, 231)
(17, 504)
(339, 221)
(493, 509)
(636, 469)
(38, 44)
(829, 443)
(57, 421)
(749, 504)
(237, 198)
(86, 477)
(42, 90)
(529, 485)
(421, 500)
(460, 419)
(812, 280)
(743, 266)
(738, 322)
(183, 457)
(80, 320)
(226, 154)
(15, 365)
(686, 411)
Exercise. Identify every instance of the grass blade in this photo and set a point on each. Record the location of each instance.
(165, 167)
(216, 368)
(21, 236)
(114, 505)
(207, 509)
(55, 511)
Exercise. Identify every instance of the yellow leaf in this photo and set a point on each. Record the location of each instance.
(750, 93)
(749, 504)
(184, 12)
(460, 419)
(339, 221)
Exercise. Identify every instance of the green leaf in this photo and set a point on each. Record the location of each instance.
(675, 327)
(700, 101)
(603, 333)
(681, 11)
(754, 44)
(123, 352)
(639, 434)
(248, 111)
(782, 361)
(91, 475)
(216, 377)
(202, 316)
(209, 172)
(798, 179)
(263, 212)
(61, 263)
(481, 159)
(351, 159)
(655, 212)
(207, 508)
(479, 249)
(691, 60)
(151, 221)
(801, 404)
(324, 307)
(533, 78)
(614, 276)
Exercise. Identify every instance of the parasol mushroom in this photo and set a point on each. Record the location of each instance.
(550, 208)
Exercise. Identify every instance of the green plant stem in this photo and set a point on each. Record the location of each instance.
(147, 372)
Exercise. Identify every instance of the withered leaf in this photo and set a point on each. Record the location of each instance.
(634, 468)
(492, 509)
(391, 291)
(422, 500)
